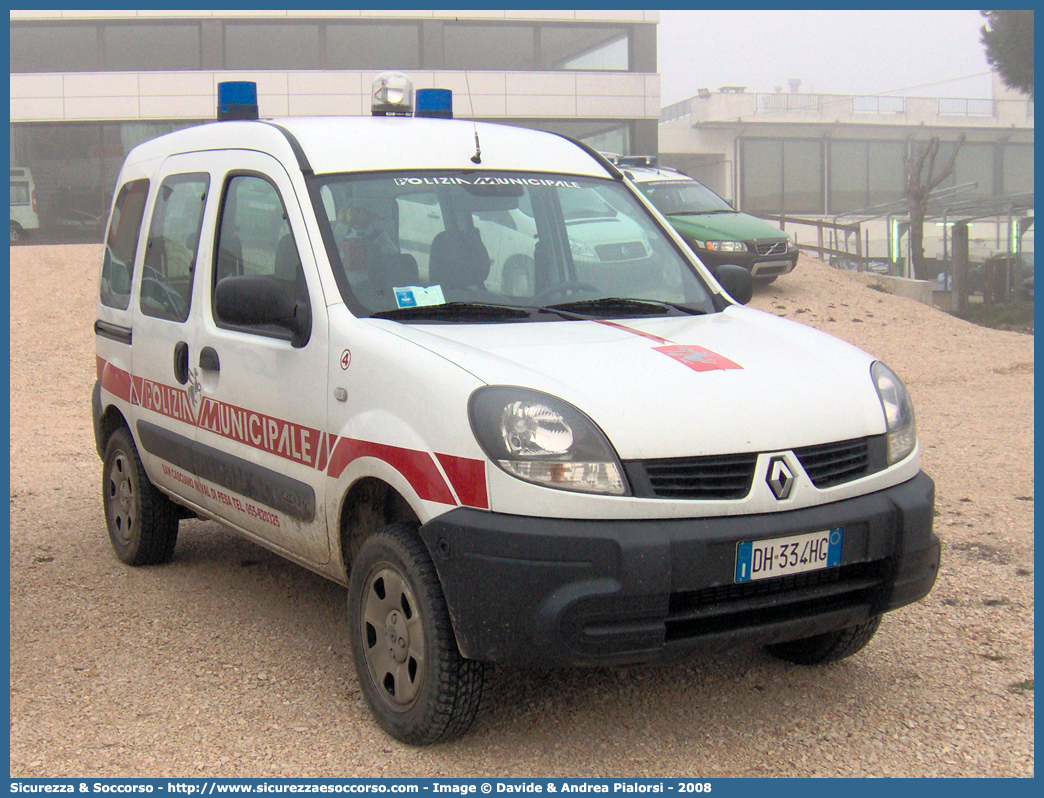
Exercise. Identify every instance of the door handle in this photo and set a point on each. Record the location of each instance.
(208, 359)
(181, 362)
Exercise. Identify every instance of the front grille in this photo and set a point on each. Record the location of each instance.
(730, 476)
(626, 250)
(771, 247)
(833, 463)
(748, 604)
(715, 477)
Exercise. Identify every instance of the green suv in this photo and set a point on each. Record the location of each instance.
(716, 231)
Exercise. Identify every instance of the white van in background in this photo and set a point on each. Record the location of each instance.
(23, 204)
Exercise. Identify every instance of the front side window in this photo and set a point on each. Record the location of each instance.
(121, 243)
(255, 239)
(170, 254)
(426, 245)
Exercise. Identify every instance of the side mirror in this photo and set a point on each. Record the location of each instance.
(736, 281)
(256, 300)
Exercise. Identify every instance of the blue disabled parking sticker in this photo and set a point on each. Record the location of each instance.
(413, 296)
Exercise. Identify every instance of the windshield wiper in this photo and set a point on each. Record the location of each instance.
(620, 307)
(455, 311)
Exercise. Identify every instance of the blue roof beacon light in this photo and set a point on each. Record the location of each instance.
(237, 99)
(392, 95)
(434, 103)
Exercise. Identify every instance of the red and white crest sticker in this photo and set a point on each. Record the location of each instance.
(697, 358)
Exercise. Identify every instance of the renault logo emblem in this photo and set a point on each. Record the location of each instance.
(780, 478)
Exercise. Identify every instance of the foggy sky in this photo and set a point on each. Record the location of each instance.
(913, 53)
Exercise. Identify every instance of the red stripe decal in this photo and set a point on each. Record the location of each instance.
(632, 331)
(165, 400)
(468, 478)
(418, 467)
(114, 380)
(311, 447)
(324, 451)
(697, 358)
(267, 433)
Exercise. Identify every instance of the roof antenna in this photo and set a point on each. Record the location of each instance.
(477, 157)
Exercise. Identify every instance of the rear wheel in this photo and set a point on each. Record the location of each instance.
(827, 647)
(417, 685)
(142, 522)
(16, 234)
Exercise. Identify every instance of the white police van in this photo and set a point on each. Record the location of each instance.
(585, 467)
(24, 216)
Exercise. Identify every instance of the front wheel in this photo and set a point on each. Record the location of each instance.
(142, 522)
(827, 647)
(415, 681)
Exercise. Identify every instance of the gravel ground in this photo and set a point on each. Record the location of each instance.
(232, 662)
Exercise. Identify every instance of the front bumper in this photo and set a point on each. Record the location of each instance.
(526, 590)
(757, 265)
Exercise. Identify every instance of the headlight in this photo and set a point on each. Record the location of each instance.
(898, 412)
(541, 439)
(723, 246)
(581, 250)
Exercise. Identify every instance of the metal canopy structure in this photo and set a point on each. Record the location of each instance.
(948, 203)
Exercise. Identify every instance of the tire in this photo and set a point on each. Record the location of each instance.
(419, 688)
(16, 234)
(827, 647)
(142, 522)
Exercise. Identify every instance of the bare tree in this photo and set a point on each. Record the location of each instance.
(922, 178)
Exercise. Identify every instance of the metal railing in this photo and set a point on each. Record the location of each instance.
(837, 243)
(792, 101)
(676, 111)
(869, 104)
(959, 106)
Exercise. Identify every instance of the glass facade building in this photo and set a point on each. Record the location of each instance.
(834, 177)
(88, 86)
(831, 155)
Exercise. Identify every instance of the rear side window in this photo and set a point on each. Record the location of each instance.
(255, 238)
(170, 255)
(121, 244)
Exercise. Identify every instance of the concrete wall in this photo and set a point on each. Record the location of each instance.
(193, 95)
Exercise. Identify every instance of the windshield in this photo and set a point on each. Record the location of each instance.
(465, 246)
(683, 196)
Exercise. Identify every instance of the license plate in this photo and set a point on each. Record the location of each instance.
(765, 559)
